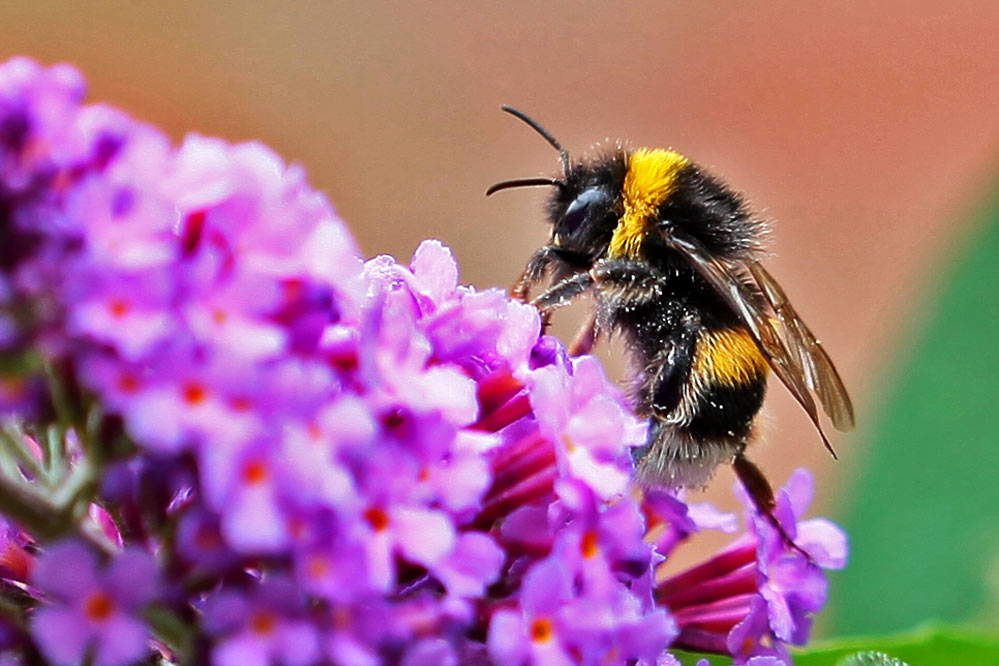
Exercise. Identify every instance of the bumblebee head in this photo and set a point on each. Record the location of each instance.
(621, 204)
(585, 206)
(586, 209)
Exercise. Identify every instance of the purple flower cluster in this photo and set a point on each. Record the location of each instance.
(759, 593)
(300, 457)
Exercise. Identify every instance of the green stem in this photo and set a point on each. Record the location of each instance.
(54, 439)
(11, 612)
(172, 630)
(75, 488)
(13, 441)
(45, 520)
(59, 399)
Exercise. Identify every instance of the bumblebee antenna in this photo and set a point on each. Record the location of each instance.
(562, 152)
(524, 182)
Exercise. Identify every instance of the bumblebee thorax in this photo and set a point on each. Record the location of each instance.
(650, 179)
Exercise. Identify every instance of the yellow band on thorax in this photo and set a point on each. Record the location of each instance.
(650, 179)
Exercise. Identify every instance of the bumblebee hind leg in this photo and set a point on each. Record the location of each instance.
(762, 495)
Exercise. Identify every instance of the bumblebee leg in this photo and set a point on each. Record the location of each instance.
(762, 494)
(673, 367)
(533, 272)
(521, 289)
(640, 281)
(564, 292)
(585, 338)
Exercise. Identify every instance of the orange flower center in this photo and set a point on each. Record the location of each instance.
(98, 607)
(318, 567)
(341, 618)
(118, 307)
(588, 546)
(128, 383)
(377, 518)
(263, 623)
(570, 445)
(241, 404)
(542, 630)
(254, 472)
(207, 538)
(194, 393)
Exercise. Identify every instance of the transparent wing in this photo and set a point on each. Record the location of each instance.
(785, 362)
(819, 371)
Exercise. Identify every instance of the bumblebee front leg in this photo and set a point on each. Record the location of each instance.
(533, 272)
(562, 293)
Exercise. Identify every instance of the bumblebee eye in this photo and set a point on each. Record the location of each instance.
(577, 211)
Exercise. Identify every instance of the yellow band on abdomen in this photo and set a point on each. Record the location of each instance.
(730, 357)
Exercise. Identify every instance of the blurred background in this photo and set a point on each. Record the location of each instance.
(867, 132)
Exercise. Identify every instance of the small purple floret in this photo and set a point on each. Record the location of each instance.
(93, 609)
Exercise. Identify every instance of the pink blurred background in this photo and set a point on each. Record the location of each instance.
(864, 133)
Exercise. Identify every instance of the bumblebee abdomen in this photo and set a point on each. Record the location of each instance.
(729, 376)
(724, 411)
(703, 398)
(728, 357)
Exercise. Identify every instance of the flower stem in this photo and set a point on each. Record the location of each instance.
(58, 394)
(44, 519)
(13, 440)
(172, 631)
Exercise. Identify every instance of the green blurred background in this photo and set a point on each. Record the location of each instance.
(868, 131)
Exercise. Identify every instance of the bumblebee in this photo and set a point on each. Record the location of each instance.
(671, 256)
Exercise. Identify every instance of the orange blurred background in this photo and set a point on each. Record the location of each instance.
(861, 128)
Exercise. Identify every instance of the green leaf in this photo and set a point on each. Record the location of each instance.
(691, 658)
(870, 658)
(924, 509)
(930, 645)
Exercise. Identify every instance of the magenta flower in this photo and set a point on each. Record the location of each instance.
(268, 625)
(554, 622)
(759, 591)
(93, 610)
(315, 458)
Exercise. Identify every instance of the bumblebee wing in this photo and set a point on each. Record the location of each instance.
(819, 371)
(730, 286)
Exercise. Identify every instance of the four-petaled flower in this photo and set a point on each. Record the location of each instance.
(93, 610)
